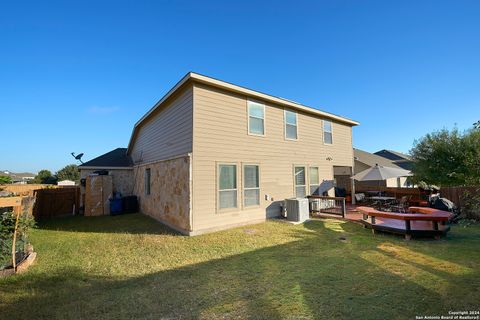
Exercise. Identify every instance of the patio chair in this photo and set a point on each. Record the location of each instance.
(360, 197)
(378, 205)
(401, 206)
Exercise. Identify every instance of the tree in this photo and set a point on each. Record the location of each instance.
(5, 180)
(472, 157)
(448, 158)
(45, 177)
(69, 172)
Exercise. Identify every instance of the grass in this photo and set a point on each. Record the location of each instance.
(130, 266)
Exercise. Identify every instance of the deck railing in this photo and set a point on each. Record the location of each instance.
(329, 205)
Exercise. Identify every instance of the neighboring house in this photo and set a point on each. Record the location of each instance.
(66, 183)
(212, 155)
(402, 160)
(365, 160)
(119, 166)
(19, 178)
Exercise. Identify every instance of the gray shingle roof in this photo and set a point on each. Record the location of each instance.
(393, 155)
(371, 159)
(115, 158)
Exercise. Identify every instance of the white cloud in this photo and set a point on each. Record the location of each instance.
(103, 110)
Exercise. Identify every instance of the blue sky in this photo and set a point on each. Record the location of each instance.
(76, 75)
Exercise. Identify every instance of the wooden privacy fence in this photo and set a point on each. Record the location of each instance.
(10, 202)
(24, 189)
(395, 192)
(455, 194)
(56, 202)
(50, 200)
(19, 204)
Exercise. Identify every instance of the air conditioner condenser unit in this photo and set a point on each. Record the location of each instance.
(297, 209)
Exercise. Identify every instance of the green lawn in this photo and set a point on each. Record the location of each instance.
(134, 268)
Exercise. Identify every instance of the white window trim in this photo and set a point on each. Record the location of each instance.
(264, 119)
(217, 187)
(323, 132)
(295, 180)
(285, 124)
(309, 180)
(243, 186)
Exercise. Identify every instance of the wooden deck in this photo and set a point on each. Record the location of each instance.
(417, 228)
(420, 222)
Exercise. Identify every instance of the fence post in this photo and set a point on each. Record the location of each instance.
(344, 208)
(14, 243)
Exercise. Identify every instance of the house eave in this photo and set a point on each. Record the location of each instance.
(266, 97)
(104, 168)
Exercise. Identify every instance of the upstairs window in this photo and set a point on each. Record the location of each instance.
(227, 186)
(300, 184)
(290, 125)
(327, 132)
(147, 181)
(256, 118)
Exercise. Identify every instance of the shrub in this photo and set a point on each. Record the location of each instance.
(470, 208)
(5, 180)
(448, 158)
(7, 230)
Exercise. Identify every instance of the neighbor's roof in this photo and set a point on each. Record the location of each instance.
(195, 77)
(116, 158)
(371, 159)
(405, 164)
(17, 175)
(393, 155)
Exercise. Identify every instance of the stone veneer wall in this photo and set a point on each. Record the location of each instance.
(122, 181)
(169, 199)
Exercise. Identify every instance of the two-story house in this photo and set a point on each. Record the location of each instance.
(212, 155)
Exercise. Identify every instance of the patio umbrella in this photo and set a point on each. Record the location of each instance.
(381, 173)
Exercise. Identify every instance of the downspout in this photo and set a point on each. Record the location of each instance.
(191, 159)
(190, 205)
(353, 169)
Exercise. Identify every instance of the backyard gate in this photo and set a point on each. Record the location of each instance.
(98, 190)
(56, 202)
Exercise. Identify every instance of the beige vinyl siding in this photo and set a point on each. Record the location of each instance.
(221, 136)
(167, 132)
(392, 183)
